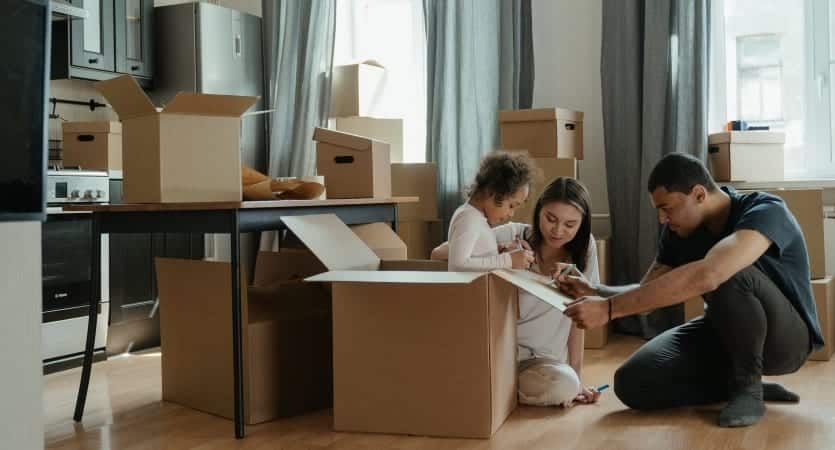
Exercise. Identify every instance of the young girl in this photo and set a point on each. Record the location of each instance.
(550, 352)
(500, 186)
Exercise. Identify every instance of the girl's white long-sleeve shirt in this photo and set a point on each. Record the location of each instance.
(472, 245)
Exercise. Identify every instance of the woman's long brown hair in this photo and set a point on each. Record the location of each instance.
(572, 192)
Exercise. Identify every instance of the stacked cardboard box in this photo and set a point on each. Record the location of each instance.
(356, 91)
(353, 166)
(417, 223)
(599, 337)
(553, 137)
(807, 207)
(746, 155)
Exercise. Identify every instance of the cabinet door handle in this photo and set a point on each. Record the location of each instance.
(134, 68)
(93, 60)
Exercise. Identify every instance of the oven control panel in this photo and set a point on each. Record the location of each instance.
(75, 186)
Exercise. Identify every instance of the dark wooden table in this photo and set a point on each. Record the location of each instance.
(233, 218)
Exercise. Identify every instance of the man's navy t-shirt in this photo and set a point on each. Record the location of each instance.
(786, 262)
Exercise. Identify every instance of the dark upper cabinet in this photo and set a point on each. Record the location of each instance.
(92, 38)
(115, 38)
(134, 27)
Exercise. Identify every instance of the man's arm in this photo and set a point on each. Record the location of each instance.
(732, 254)
(655, 270)
(577, 287)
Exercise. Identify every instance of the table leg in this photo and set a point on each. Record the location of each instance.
(95, 298)
(237, 342)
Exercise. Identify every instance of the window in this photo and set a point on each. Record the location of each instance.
(392, 33)
(771, 65)
(759, 76)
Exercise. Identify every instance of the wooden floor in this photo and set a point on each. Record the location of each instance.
(124, 411)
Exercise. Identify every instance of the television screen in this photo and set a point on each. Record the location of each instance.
(24, 39)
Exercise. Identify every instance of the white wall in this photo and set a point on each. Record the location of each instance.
(21, 408)
(566, 40)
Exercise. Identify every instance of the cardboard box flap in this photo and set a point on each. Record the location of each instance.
(395, 276)
(747, 137)
(126, 97)
(209, 104)
(342, 139)
(332, 242)
(533, 115)
(380, 238)
(535, 285)
(92, 127)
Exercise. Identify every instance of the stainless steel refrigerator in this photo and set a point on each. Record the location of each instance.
(210, 49)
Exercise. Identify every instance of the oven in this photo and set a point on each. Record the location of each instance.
(66, 243)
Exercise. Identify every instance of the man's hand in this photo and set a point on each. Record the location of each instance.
(588, 312)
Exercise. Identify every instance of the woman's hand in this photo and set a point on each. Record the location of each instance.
(575, 285)
(587, 396)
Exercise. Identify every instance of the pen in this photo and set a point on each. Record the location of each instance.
(567, 270)
(602, 387)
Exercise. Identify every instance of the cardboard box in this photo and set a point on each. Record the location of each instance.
(92, 145)
(416, 180)
(547, 169)
(599, 337)
(355, 88)
(285, 265)
(420, 236)
(422, 353)
(286, 342)
(389, 131)
(543, 133)
(823, 290)
(188, 152)
(353, 166)
(746, 155)
(807, 207)
(382, 240)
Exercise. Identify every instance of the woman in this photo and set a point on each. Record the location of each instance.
(550, 347)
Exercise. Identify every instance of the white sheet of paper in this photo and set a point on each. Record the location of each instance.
(536, 285)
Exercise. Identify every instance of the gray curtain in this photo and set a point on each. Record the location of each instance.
(298, 58)
(479, 57)
(654, 75)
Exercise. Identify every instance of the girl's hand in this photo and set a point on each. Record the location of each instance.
(522, 259)
(514, 245)
(587, 396)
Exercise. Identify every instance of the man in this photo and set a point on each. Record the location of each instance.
(745, 254)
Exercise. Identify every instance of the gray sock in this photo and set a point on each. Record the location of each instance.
(745, 406)
(774, 392)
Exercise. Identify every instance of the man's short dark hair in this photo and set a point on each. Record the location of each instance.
(677, 172)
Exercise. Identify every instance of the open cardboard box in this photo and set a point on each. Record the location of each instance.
(423, 353)
(187, 152)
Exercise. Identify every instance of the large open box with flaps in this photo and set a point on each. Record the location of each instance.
(423, 353)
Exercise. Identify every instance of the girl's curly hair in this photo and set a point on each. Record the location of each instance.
(502, 174)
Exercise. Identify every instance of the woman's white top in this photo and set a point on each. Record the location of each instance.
(542, 330)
